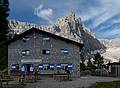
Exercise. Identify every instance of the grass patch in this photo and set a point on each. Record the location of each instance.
(114, 84)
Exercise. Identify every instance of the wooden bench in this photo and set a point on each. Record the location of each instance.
(5, 80)
(29, 78)
(62, 77)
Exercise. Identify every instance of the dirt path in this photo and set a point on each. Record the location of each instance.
(75, 83)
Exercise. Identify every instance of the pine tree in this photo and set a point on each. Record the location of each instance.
(3, 19)
(98, 60)
(3, 57)
(82, 63)
(4, 9)
(90, 65)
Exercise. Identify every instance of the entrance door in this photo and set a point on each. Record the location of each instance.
(28, 68)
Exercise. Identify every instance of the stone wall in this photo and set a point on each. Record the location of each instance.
(35, 44)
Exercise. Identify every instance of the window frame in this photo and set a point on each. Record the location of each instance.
(25, 52)
(65, 50)
(45, 51)
(26, 38)
(45, 38)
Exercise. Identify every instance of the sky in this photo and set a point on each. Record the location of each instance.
(101, 16)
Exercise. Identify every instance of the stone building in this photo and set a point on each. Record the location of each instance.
(114, 69)
(45, 51)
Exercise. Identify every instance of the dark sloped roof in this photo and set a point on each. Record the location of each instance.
(43, 32)
(115, 63)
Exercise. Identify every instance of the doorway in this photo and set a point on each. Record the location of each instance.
(27, 68)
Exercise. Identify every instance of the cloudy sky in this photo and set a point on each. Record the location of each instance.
(101, 16)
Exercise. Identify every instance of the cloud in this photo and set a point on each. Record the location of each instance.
(113, 32)
(109, 24)
(43, 13)
(104, 19)
(109, 34)
(103, 11)
(99, 15)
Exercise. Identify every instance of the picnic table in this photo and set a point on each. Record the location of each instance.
(4, 80)
(62, 77)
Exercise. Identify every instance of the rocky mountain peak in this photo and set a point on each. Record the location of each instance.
(70, 27)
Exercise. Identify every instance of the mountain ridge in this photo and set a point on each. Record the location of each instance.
(112, 49)
(71, 27)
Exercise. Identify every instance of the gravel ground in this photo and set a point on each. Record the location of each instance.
(75, 83)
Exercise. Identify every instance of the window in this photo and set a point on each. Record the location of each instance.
(25, 39)
(25, 52)
(46, 66)
(41, 67)
(59, 66)
(46, 51)
(65, 51)
(64, 66)
(69, 66)
(46, 39)
(52, 66)
(13, 67)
